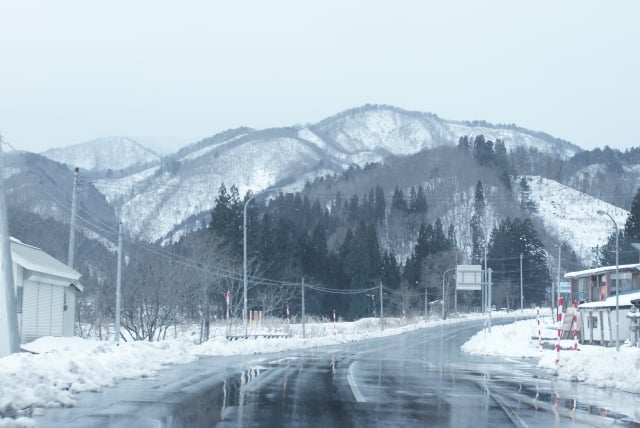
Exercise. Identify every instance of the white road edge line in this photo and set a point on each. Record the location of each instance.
(354, 387)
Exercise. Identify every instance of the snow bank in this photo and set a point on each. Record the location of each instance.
(595, 365)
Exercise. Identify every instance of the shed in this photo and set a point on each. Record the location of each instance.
(598, 319)
(46, 293)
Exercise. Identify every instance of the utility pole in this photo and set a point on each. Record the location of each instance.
(426, 301)
(559, 255)
(521, 294)
(72, 222)
(489, 297)
(303, 315)
(9, 334)
(486, 280)
(118, 282)
(381, 309)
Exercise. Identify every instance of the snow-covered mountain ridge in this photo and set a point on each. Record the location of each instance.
(259, 159)
(103, 154)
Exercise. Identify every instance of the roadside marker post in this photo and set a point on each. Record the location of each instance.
(539, 330)
(560, 305)
(334, 322)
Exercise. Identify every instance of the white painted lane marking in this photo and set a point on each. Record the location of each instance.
(354, 387)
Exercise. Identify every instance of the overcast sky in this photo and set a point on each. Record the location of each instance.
(73, 71)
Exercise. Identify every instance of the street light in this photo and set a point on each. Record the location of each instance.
(443, 299)
(244, 264)
(245, 315)
(600, 212)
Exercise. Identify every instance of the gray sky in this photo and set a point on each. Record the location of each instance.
(72, 71)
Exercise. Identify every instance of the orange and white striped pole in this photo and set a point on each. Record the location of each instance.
(560, 304)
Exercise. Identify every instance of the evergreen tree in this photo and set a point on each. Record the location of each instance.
(421, 201)
(479, 204)
(508, 240)
(390, 273)
(412, 199)
(397, 201)
(464, 144)
(477, 225)
(379, 205)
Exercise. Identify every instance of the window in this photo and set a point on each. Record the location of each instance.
(592, 322)
(582, 290)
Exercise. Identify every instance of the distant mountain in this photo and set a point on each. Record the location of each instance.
(112, 153)
(384, 130)
(155, 200)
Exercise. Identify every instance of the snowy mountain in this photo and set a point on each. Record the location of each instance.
(572, 215)
(154, 201)
(390, 130)
(103, 154)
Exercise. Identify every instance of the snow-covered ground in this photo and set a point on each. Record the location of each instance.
(54, 369)
(595, 365)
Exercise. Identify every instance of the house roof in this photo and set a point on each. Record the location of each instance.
(34, 259)
(599, 270)
(624, 299)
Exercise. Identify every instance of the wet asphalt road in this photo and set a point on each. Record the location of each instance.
(417, 378)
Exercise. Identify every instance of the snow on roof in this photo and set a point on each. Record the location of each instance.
(623, 300)
(34, 259)
(599, 270)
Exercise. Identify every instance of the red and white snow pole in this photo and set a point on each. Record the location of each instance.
(334, 322)
(560, 304)
(539, 330)
(575, 325)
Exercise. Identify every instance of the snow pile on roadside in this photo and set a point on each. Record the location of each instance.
(511, 340)
(595, 365)
(599, 366)
(69, 365)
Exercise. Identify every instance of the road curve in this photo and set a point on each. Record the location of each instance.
(418, 378)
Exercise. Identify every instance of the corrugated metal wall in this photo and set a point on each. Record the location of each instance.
(42, 311)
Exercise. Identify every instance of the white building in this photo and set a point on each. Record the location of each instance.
(45, 292)
(598, 319)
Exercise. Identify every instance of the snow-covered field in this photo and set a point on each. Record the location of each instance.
(595, 365)
(54, 369)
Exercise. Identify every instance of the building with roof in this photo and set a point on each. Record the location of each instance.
(45, 293)
(592, 285)
(595, 289)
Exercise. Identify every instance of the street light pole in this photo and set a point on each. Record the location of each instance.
(244, 265)
(615, 225)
